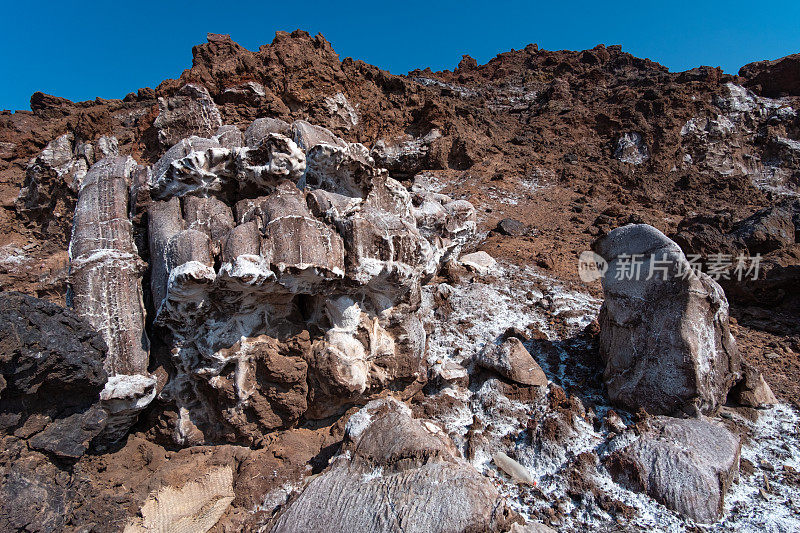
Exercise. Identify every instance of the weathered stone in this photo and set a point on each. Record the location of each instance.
(512, 227)
(774, 78)
(342, 258)
(106, 274)
(665, 340)
(259, 130)
(307, 136)
(274, 158)
(229, 137)
(512, 360)
(105, 268)
(405, 155)
(752, 390)
(687, 465)
(194, 506)
(49, 353)
(348, 170)
(480, 262)
(396, 473)
(190, 112)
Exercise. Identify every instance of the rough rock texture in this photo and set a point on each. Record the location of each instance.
(47, 352)
(665, 341)
(106, 278)
(688, 465)
(289, 290)
(191, 111)
(390, 477)
(512, 360)
(194, 507)
(572, 143)
(774, 78)
(752, 390)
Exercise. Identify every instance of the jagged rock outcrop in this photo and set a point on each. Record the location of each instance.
(106, 274)
(390, 477)
(304, 264)
(665, 341)
(772, 234)
(48, 352)
(774, 78)
(688, 465)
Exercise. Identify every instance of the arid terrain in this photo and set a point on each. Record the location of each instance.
(288, 291)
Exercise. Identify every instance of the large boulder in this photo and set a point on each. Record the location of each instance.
(686, 464)
(396, 473)
(665, 337)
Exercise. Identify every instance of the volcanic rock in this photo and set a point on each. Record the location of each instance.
(512, 227)
(106, 274)
(512, 360)
(665, 340)
(774, 78)
(396, 473)
(688, 465)
(191, 111)
(48, 352)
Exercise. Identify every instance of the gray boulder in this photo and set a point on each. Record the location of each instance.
(686, 464)
(665, 341)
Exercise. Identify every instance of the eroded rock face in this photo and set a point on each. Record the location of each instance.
(106, 279)
(688, 465)
(288, 274)
(665, 341)
(390, 478)
(190, 112)
(49, 352)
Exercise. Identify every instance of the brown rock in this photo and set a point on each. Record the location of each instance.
(511, 360)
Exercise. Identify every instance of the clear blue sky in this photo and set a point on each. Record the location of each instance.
(81, 50)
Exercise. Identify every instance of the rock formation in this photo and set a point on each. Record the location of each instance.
(106, 277)
(48, 352)
(288, 272)
(389, 478)
(272, 241)
(664, 333)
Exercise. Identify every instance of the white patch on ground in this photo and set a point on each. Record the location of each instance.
(776, 440)
(12, 256)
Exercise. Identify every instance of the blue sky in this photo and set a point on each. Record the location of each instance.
(88, 49)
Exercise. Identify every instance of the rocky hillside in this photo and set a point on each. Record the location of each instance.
(289, 292)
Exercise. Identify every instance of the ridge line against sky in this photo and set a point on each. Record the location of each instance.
(92, 49)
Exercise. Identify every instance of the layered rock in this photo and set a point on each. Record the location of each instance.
(392, 476)
(664, 333)
(105, 275)
(289, 279)
(688, 465)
